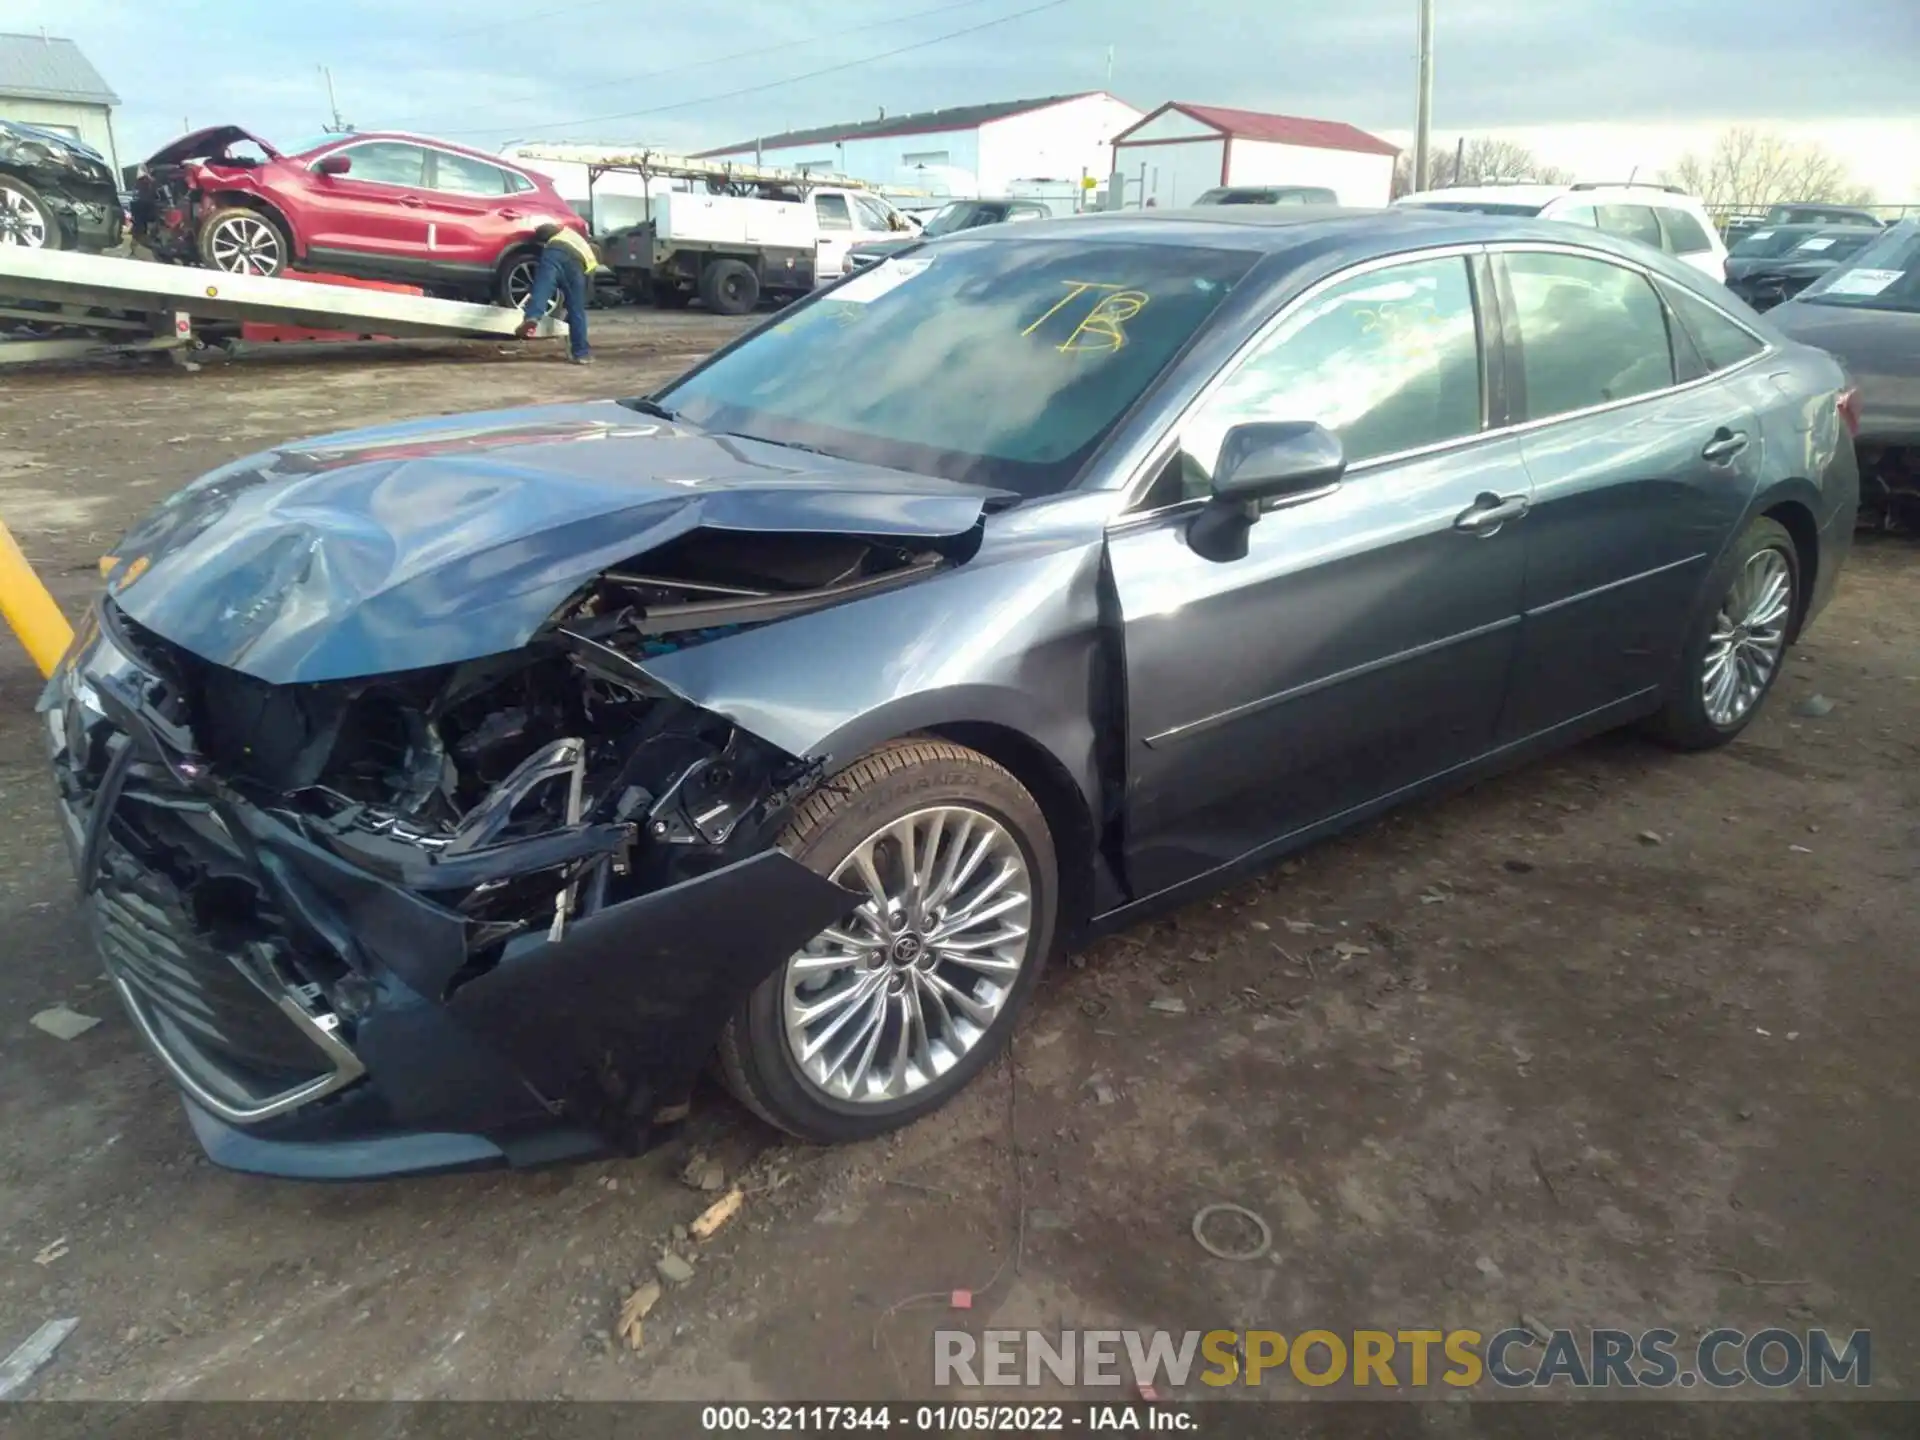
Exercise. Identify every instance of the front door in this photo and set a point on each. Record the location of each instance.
(1642, 470)
(1363, 643)
(833, 217)
(378, 208)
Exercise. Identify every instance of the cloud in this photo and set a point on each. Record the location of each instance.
(491, 70)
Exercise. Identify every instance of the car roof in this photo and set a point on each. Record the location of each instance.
(356, 136)
(1535, 194)
(1353, 234)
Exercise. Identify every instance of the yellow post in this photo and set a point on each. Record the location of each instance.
(29, 608)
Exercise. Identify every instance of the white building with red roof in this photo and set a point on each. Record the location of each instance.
(1175, 154)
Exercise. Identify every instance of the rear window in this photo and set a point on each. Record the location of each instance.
(1633, 222)
(1590, 332)
(1717, 339)
(1685, 235)
(1767, 243)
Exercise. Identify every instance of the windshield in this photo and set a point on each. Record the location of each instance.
(307, 147)
(1765, 244)
(956, 216)
(1477, 207)
(1882, 276)
(1833, 246)
(1003, 363)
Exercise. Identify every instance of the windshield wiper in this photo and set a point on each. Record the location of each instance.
(783, 444)
(651, 407)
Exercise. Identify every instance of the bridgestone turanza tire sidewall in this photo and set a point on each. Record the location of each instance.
(885, 785)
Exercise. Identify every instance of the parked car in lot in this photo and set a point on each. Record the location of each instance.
(378, 206)
(1661, 216)
(1866, 311)
(1776, 264)
(56, 193)
(1268, 195)
(953, 217)
(1800, 213)
(452, 792)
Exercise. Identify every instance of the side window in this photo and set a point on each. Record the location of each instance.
(1632, 222)
(873, 215)
(462, 176)
(832, 213)
(1685, 235)
(1029, 212)
(1719, 340)
(1577, 215)
(1389, 361)
(1590, 332)
(519, 184)
(387, 162)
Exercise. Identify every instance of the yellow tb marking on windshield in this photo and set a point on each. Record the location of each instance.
(1103, 327)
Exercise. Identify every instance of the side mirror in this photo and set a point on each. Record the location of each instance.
(335, 164)
(1294, 461)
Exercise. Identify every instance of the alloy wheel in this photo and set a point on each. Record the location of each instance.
(21, 221)
(520, 285)
(879, 1007)
(245, 245)
(1749, 635)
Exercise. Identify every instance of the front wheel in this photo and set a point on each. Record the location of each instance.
(25, 219)
(243, 242)
(1736, 649)
(886, 1016)
(729, 287)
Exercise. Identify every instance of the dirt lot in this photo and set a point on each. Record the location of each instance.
(1622, 1039)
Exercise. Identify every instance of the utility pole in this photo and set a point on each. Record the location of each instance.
(339, 126)
(1423, 105)
(1109, 84)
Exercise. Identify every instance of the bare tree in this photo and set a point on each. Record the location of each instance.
(1750, 169)
(1478, 161)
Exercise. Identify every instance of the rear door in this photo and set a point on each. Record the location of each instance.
(471, 216)
(1362, 644)
(1640, 470)
(378, 208)
(833, 216)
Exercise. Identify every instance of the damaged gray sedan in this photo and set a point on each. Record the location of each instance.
(455, 793)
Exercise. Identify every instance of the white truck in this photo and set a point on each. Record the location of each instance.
(729, 234)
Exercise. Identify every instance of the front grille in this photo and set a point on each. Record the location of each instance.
(150, 943)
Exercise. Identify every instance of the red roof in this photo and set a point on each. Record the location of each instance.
(1281, 129)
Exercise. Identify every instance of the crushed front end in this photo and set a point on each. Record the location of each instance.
(489, 912)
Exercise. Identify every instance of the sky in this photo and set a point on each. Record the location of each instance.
(1593, 85)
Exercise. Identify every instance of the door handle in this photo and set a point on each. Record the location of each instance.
(1725, 445)
(413, 201)
(509, 214)
(1489, 512)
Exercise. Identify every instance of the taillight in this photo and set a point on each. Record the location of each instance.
(1849, 406)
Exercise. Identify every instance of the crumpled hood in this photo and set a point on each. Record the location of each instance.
(197, 144)
(444, 540)
(1881, 351)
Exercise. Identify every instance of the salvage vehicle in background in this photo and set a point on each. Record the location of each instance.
(1268, 195)
(953, 217)
(1773, 265)
(56, 193)
(1662, 216)
(450, 793)
(1799, 212)
(377, 206)
(1866, 312)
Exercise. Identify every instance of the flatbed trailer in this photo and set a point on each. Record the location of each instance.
(130, 305)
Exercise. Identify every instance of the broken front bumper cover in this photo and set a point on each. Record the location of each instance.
(328, 1033)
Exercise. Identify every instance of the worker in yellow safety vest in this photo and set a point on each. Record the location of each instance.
(566, 260)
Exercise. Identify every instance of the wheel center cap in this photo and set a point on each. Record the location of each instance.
(907, 949)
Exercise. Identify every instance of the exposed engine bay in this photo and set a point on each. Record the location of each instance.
(530, 789)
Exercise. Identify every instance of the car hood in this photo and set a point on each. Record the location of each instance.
(438, 541)
(53, 139)
(200, 143)
(1881, 351)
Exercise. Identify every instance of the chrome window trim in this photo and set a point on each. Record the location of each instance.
(1134, 489)
(498, 162)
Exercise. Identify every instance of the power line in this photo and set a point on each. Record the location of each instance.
(776, 84)
(703, 64)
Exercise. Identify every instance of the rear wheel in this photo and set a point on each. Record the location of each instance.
(25, 219)
(729, 287)
(886, 1016)
(1735, 652)
(243, 242)
(514, 283)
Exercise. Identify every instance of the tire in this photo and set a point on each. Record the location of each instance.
(729, 287)
(513, 282)
(1763, 554)
(244, 241)
(26, 219)
(907, 782)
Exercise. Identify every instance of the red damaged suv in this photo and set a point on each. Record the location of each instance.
(375, 206)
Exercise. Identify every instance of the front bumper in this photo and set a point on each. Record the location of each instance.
(321, 1019)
